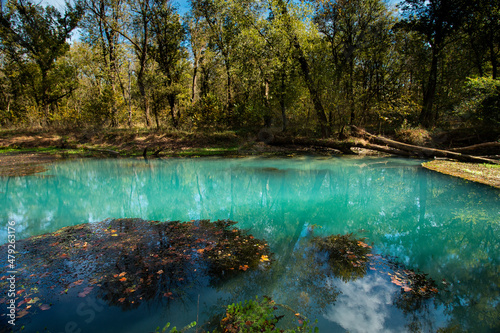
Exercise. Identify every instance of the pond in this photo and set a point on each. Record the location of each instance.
(415, 219)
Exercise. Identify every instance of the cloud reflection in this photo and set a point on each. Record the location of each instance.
(363, 305)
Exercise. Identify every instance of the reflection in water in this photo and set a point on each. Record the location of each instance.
(364, 305)
(437, 224)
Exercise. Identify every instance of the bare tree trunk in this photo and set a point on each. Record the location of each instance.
(282, 103)
(194, 86)
(493, 59)
(171, 102)
(428, 116)
(423, 151)
(229, 95)
(313, 91)
(142, 90)
(267, 115)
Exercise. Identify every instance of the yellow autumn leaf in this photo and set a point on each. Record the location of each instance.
(264, 258)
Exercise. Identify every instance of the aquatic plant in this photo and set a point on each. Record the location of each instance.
(259, 315)
(347, 255)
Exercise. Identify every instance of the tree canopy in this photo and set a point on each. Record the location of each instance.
(310, 67)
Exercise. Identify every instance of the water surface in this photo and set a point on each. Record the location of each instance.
(443, 226)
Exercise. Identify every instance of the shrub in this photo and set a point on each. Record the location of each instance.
(482, 105)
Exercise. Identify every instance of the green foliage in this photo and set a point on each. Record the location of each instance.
(207, 111)
(174, 329)
(258, 316)
(307, 67)
(483, 103)
(34, 38)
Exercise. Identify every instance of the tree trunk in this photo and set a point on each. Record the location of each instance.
(282, 103)
(194, 86)
(428, 116)
(267, 114)
(493, 60)
(171, 102)
(228, 91)
(318, 106)
(384, 145)
(423, 151)
(145, 100)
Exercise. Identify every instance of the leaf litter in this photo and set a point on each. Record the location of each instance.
(126, 262)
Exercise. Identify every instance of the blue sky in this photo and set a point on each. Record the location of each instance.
(59, 4)
(182, 4)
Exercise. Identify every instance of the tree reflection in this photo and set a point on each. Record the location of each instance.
(432, 223)
(130, 261)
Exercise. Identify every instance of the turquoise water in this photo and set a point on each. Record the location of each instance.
(445, 227)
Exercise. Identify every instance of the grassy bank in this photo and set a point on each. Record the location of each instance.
(482, 173)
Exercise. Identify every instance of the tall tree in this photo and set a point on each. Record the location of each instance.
(31, 34)
(437, 21)
(483, 29)
(290, 24)
(354, 30)
(103, 21)
(168, 34)
(224, 29)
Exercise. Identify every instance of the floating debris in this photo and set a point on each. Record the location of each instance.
(349, 257)
(128, 261)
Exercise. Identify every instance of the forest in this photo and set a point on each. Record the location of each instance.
(311, 67)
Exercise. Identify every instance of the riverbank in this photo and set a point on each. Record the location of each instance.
(481, 173)
(26, 152)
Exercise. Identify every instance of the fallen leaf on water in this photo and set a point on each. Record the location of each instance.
(244, 267)
(160, 271)
(122, 274)
(200, 250)
(44, 307)
(123, 279)
(85, 292)
(33, 301)
(121, 300)
(264, 258)
(21, 314)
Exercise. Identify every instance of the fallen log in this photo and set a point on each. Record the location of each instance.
(105, 151)
(487, 148)
(384, 149)
(421, 151)
(342, 146)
